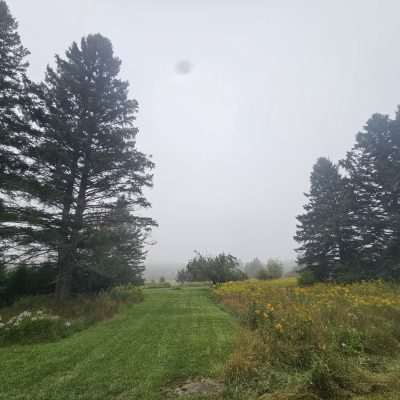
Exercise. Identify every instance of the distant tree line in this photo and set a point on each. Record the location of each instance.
(350, 228)
(71, 176)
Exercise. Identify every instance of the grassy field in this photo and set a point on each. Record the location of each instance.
(320, 342)
(172, 335)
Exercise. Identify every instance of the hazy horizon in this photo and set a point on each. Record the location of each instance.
(237, 101)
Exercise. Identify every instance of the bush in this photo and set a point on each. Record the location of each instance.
(127, 294)
(34, 319)
(263, 275)
(306, 278)
(26, 281)
(28, 327)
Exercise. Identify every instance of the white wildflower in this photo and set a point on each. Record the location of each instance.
(25, 314)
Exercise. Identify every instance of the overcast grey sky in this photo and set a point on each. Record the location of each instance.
(273, 86)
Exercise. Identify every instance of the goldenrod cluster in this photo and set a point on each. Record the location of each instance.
(326, 330)
(322, 309)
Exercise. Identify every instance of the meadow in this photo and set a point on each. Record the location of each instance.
(259, 340)
(326, 341)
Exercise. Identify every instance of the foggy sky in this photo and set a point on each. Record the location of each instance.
(272, 86)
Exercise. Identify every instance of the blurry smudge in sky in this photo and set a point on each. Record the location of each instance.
(183, 67)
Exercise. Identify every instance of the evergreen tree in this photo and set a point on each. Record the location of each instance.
(113, 252)
(373, 166)
(13, 96)
(325, 230)
(15, 132)
(86, 157)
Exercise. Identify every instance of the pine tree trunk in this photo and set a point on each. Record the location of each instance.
(67, 262)
(65, 266)
(68, 256)
(64, 280)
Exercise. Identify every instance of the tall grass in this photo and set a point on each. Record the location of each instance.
(329, 341)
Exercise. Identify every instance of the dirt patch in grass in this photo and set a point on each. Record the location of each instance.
(195, 388)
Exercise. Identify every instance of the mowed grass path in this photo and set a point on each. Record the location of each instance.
(172, 335)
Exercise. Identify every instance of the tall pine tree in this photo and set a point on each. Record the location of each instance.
(373, 166)
(16, 101)
(86, 157)
(325, 230)
(13, 96)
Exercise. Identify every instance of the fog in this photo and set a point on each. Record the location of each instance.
(237, 101)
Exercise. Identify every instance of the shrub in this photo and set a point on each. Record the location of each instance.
(40, 318)
(263, 274)
(26, 281)
(127, 294)
(29, 327)
(306, 278)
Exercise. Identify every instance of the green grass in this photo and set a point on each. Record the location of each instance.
(172, 335)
